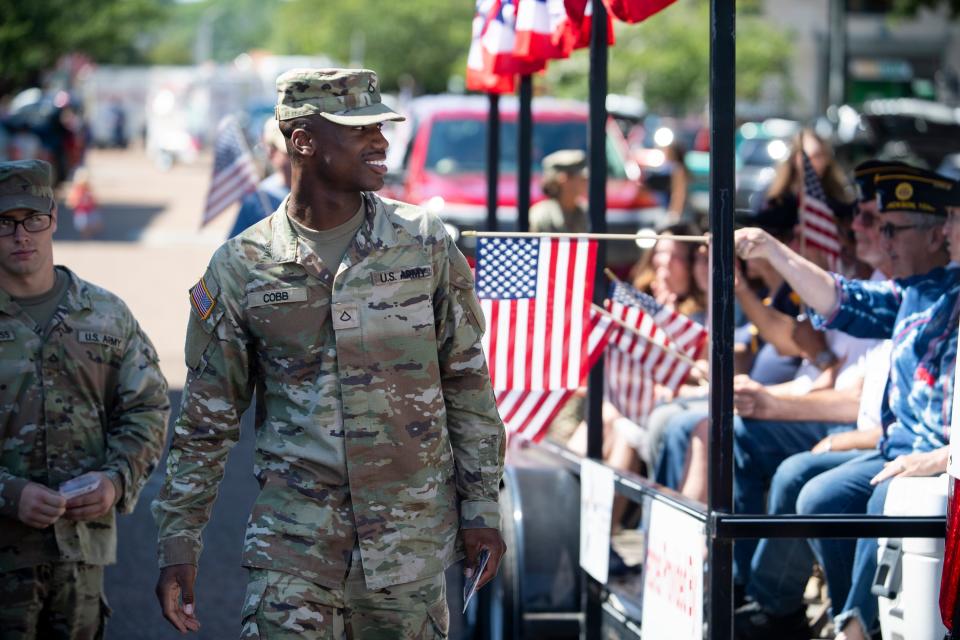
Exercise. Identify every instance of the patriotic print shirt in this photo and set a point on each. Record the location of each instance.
(920, 316)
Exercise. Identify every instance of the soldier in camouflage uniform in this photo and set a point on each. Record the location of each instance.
(379, 448)
(81, 394)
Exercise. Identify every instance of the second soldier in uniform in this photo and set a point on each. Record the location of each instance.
(379, 450)
(81, 397)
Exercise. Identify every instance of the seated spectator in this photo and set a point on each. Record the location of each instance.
(780, 567)
(783, 197)
(920, 315)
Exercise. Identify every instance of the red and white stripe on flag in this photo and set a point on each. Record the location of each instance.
(537, 22)
(528, 414)
(479, 77)
(492, 51)
(654, 353)
(577, 29)
(234, 172)
(535, 295)
(629, 386)
(817, 220)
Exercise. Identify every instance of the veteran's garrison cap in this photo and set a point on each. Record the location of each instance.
(919, 191)
(349, 97)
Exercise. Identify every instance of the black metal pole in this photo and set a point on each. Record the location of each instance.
(597, 149)
(720, 494)
(493, 160)
(524, 152)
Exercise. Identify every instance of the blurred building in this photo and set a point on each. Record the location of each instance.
(887, 56)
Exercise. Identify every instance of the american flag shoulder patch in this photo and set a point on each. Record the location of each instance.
(201, 300)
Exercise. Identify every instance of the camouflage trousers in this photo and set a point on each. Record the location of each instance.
(56, 601)
(279, 606)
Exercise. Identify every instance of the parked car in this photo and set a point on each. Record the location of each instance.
(761, 146)
(439, 161)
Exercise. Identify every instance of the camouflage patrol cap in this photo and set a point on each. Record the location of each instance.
(344, 96)
(26, 184)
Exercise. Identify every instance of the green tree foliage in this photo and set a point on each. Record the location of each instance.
(35, 33)
(426, 39)
(667, 58)
(224, 29)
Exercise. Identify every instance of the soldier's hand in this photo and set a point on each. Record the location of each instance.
(487, 538)
(91, 506)
(39, 506)
(175, 593)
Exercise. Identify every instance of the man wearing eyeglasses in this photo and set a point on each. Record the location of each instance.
(82, 402)
(920, 315)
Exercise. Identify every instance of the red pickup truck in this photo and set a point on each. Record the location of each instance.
(438, 160)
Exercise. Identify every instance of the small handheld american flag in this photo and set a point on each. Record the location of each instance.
(817, 220)
(234, 172)
(638, 361)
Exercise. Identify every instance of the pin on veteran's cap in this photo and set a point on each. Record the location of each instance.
(919, 192)
(349, 97)
(26, 184)
(865, 175)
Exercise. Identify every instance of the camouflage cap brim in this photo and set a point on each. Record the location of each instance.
(363, 116)
(9, 202)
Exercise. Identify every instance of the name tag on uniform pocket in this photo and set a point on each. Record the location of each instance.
(401, 275)
(276, 296)
(7, 336)
(97, 337)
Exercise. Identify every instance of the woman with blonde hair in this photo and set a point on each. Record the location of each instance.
(783, 197)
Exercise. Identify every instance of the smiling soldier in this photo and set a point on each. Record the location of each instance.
(379, 448)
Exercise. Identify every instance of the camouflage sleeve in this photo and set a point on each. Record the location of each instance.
(476, 431)
(137, 425)
(217, 392)
(11, 487)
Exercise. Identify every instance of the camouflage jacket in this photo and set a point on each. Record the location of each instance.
(87, 395)
(375, 416)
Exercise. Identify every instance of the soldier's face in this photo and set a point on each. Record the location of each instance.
(350, 158)
(26, 252)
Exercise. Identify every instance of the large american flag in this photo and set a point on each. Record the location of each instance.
(535, 294)
(638, 360)
(491, 62)
(817, 220)
(528, 414)
(234, 173)
(537, 23)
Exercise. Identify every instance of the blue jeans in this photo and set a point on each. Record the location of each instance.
(849, 565)
(781, 566)
(675, 440)
(759, 446)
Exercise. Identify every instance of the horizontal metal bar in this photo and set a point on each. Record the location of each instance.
(628, 484)
(735, 526)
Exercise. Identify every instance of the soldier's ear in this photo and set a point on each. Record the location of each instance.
(54, 214)
(303, 142)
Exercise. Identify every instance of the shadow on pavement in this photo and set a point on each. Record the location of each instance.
(122, 222)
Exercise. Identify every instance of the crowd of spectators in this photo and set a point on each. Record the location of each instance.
(844, 375)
